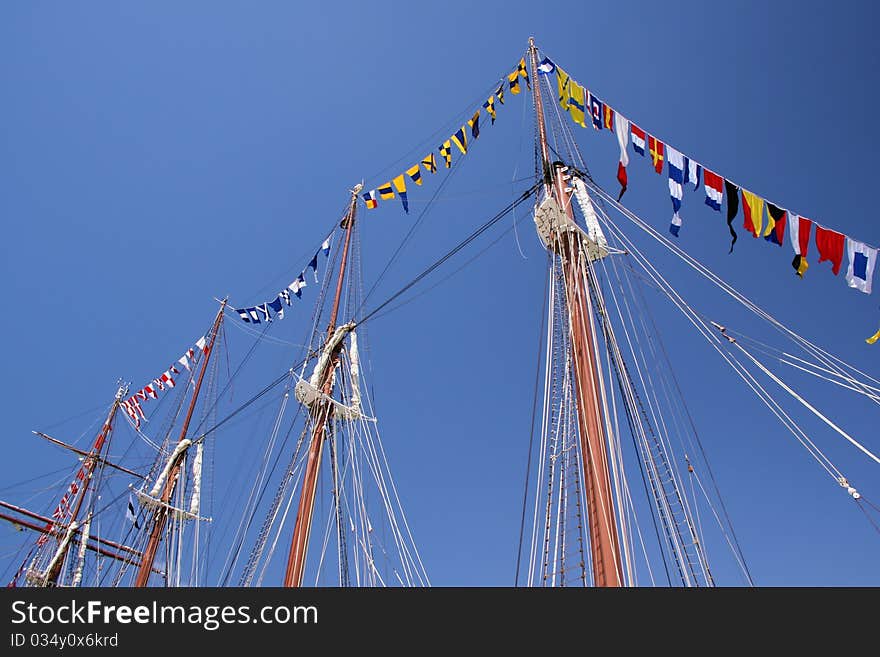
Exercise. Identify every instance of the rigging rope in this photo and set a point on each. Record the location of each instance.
(491, 222)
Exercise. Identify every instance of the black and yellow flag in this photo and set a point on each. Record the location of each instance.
(474, 124)
(513, 80)
(490, 107)
(385, 191)
(446, 152)
(430, 163)
(500, 93)
(414, 173)
(460, 140)
(521, 70)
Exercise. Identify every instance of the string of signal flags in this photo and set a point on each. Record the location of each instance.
(587, 109)
(461, 139)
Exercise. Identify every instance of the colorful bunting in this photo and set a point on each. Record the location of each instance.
(415, 174)
(655, 148)
(577, 103)
(474, 124)
(622, 129)
(776, 220)
(513, 82)
(732, 193)
(597, 111)
(489, 106)
(692, 172)
(562, 83)
(277, 307)
(608, 118)
(132, 405)
(400, 186)
(298, 284)
(831, 245)
(753, 212)
(713, 183)
(799, 234)
(676, 179)
(446, 153)
(460, 140)
(860, 271)
(430, 163)
(370, 199)
(385, 191)
(500, 93)
(638, 137)
(522, 72)
(546, 67)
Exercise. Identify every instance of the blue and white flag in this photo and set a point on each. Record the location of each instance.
(325, 247)
(314, 265)
(263, 308)
(860, 271)
(297, 286)
(255, 318)
(546, 66)
(277, 307)
(676, 178)
(692, 172)
(243, 313)
(284, 295)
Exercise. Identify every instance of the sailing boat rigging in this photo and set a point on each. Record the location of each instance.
(611, 408)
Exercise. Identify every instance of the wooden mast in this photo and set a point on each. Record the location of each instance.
(320, 413)
(88, 469)
(604, 540)
(161, 516)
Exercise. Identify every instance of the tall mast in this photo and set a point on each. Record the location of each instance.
(320, 413)
(161, 516)
(604, 540)
(88, 469)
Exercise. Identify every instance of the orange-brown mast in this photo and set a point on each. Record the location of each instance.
(604, 541)
(162, 511)
(319, 413)
(88, 470)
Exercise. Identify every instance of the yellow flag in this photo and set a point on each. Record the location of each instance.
(460, 140)
(385, 191)
(413, 172)
(873, 338)
(562, 81)
(753, 211)
(576, 103)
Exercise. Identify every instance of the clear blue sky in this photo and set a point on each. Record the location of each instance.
(155, 156)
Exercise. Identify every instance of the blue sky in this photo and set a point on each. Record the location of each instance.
(154, 157)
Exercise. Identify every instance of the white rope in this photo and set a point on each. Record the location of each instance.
(812, 408)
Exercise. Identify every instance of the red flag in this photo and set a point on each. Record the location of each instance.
(621, 178)
(830, 244)
(609, 117)
(655, 148)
